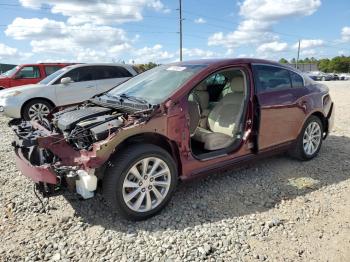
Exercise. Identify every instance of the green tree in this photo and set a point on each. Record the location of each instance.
(324, 65)
(283, 61)
(340, 64)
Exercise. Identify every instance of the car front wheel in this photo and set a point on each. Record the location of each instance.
(310, 139)
(36, 109)
(140, 181)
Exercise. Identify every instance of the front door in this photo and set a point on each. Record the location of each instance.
(26, 75)
(278, 104)
(82, 87)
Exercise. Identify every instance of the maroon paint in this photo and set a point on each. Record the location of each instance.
(283, 114)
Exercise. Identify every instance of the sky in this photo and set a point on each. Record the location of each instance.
(142, 31)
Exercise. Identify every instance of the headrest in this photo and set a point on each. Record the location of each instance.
(202, 86)
(237, 84)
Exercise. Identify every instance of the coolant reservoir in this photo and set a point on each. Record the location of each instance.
(86, 184)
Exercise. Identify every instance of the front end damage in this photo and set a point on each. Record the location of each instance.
(72, 149)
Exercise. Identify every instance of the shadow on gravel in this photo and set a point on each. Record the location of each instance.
(251, 189)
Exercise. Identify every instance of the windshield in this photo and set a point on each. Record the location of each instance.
(157, 84)
(53, 76)
(10, 72)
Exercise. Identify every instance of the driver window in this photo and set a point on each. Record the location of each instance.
(80, 74)
(29, 72)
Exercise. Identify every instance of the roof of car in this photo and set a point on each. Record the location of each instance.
(98, 64)
(228, 61)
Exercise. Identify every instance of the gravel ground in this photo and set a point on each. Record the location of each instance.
(277, 209)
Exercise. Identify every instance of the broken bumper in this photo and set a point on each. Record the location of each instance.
(38, 174)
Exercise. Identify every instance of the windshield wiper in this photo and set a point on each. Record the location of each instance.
(133, 98)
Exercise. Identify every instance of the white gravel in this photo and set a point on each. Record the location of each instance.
(277, 209)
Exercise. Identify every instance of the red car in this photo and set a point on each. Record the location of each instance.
(174, 122)
(28, 74)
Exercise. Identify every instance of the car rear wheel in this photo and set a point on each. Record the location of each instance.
(36, 109)
(309, 141)
(140, 181)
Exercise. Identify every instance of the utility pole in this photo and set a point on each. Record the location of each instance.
(180, 12)
(298, 55)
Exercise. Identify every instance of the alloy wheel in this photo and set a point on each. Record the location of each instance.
(38, 111)
(146, 184)
(312, 138)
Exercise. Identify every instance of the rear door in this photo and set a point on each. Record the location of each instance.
(278, 100)
(26, 75)
(108, 77)
(82, 87)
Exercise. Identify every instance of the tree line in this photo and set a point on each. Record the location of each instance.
(338, 64)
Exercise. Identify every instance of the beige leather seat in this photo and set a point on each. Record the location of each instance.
(201, 95)
(223, 120)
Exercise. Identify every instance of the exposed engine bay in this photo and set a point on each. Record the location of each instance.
(67, 144)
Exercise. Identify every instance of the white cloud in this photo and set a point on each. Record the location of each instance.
(309, 43)
(151, 54)
(308, 52)
(200, 20)
(273, 10)
(22, 28)
(198, 53)
(8, 53)
(345, 33)
(258, 18)
(86, 43)
(272, 47)
(98, 12)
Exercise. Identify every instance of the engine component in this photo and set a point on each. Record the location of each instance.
(102, 131)
(67, 120)
(81, 138)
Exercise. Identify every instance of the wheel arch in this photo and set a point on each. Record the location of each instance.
(155, 139)
(323, 119)
(36, 98)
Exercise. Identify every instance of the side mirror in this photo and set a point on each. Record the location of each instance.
(66, 80)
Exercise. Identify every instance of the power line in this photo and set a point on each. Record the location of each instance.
(93, 30)
(92, 12)
(180, 17)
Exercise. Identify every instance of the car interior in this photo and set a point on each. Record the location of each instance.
(216, 108)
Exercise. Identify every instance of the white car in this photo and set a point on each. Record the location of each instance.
(69, 85)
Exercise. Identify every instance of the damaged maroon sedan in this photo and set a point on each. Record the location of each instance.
(174, 122)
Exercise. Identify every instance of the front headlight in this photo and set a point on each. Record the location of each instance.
(10, 93)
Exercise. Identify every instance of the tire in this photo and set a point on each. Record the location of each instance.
(323, 78)
(299, 151)
(120, 173)
(39, 104)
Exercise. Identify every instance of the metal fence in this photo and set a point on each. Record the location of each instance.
(305, 67)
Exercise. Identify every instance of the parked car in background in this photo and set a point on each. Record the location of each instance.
(173, 122)
(319, 76)
(28, 74)
(344, 76)
(69, 85)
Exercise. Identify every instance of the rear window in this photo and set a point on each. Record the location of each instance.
(271, 78)
(297, 80)
(107, 72)
(51, 69)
